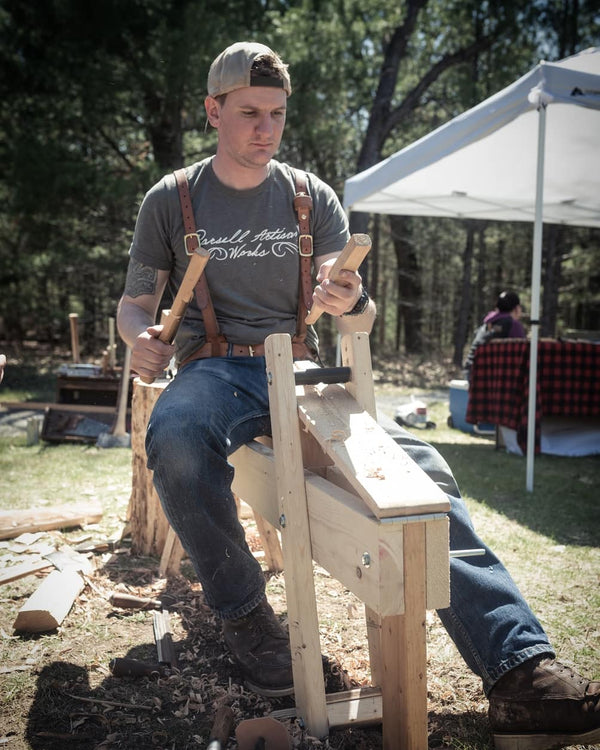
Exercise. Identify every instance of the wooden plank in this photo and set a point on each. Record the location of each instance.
(356, 707)
(437, 535)
(341, 529)
(403, 638)
(373, 623)
(14, 572)
(388, 480)
(172, 555)
(16, 522)
(270, 544)
(43, 405)
(48, 606)
(356, 354)
(309, 683)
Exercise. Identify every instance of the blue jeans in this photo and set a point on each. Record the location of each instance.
(215, 405)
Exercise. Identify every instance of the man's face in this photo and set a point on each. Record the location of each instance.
(250, 123)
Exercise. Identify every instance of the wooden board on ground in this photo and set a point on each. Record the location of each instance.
(16, 522)
(21, 570)
(48, 606)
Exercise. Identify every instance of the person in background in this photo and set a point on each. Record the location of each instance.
(243, 207)
(501, 323)
(2, 365)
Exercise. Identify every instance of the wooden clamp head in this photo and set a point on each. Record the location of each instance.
(349, 259)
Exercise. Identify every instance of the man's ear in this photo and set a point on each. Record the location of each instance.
(213, 111)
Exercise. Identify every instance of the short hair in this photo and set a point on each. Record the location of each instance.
(507, 301)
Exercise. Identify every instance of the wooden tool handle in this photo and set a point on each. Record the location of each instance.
(171, 319)
(221, 728)
(349, 259)
(119, 427)
(73, 323)
(123, 667)
(129, 601)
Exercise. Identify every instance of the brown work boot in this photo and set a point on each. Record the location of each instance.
(261, 647)
(543, 704)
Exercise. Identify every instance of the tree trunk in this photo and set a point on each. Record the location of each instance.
(410, 316)
(464, 302)
(555, 239)
(166, 131)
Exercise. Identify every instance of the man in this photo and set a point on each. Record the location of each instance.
(243, 204)
(501, 323)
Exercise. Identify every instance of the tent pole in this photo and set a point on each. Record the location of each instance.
(536, 271)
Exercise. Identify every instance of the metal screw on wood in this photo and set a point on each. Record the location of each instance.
(366, 559)
(282, 521)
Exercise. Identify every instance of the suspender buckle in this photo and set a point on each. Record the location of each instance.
(191, 243)
(305, 245)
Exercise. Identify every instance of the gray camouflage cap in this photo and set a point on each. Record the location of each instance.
(233, 69)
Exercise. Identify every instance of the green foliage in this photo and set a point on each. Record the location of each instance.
(98, 102)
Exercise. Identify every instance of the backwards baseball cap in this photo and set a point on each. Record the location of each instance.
(507, 301)
(238, 66)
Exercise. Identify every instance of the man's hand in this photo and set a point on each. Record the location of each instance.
(337, 297)
(149, 355)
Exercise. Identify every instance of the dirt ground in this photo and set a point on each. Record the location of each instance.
(74, 701)
(78, 703)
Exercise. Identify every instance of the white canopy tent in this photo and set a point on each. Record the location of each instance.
(530, 152)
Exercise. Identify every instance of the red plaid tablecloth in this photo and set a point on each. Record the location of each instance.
(568, 383)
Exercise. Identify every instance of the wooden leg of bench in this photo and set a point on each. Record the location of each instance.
(172, 555)
(270, 544)
(373, 621)
(404, 685)
(309, 684)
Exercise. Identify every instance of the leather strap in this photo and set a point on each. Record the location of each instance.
(300, 350)
(303, 205)
(191, 240)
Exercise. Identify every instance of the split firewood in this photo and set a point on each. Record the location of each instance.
(23, 569)
(48, 606)
(164, 639)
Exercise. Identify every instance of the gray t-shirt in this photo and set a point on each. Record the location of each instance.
(252, 235)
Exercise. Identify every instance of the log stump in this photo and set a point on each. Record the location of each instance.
(148, 523)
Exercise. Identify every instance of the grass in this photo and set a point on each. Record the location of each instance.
(549, 540)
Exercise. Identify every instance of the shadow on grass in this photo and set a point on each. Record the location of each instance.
(563, 504)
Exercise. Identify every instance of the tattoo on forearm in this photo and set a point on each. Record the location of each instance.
(140, 279)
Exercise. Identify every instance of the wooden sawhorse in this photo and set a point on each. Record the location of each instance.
(344, 494)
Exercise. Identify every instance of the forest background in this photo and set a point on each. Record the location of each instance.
(99, 100)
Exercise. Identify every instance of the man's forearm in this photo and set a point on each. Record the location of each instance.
(132, 320)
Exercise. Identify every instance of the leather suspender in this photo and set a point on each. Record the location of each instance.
(191, 240)
(303, 205)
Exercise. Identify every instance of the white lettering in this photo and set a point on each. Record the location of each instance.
(237, 245)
